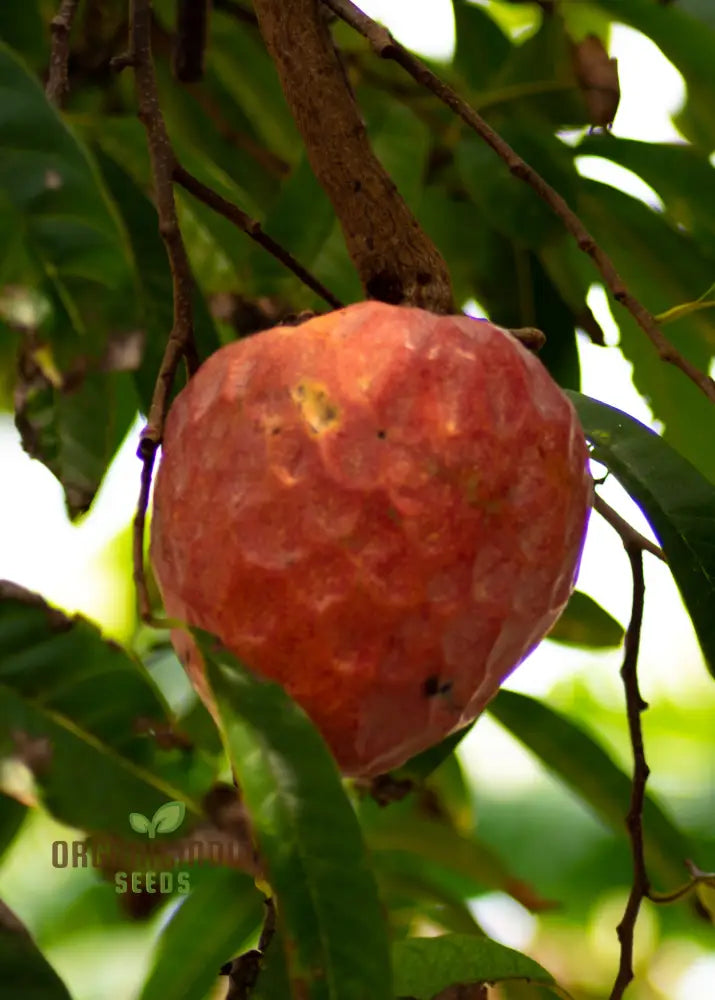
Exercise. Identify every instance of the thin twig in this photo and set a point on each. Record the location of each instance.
(251, 228)
(181, 338)
(61, 24)
(386, 47)
(635, 705)
(138, 525)
(627, 532)
(697, 877)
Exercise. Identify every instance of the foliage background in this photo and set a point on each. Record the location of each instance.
(83, 268)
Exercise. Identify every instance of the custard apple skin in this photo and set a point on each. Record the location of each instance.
(382, 509)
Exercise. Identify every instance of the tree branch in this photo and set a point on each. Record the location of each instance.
(57, 82)
(634, 820)
(395, 259)
(627, 532)
(386, 47)
(181, 338)
(252, 229)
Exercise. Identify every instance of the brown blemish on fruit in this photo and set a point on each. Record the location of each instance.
(318, 410)
(433, 686)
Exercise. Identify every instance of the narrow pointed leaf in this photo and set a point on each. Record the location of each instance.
(76, 708)
(70, 226)
(308, 837)
(678, 501)
(26, 973)
(423, 967)
(212, 923)
(12, 815)
(427, 842)
(570, 752)
(661, 265)
(586, 623)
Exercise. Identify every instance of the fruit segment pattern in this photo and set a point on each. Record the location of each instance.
(383, 509)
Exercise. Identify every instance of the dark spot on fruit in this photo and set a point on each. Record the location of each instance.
(432, 686)
(382, 435)
(429, 687)
(276, 430)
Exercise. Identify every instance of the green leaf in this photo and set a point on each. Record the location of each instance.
(702, 9)
(542, 305)
(188, 959)
(423, 764)
(73, 429)
(9, 341)
(429, 843)
(401, 142)
(242, 64)
(677, 500)
(26, 973)
(585, 623)
(21, 26)
(690, 45)
(456, 226)
(75, 705)
(153, 276)
(335, 269)
(511, 207)
(74, 409)
(152, 270)
(308, 836)
(300, 219)
(482, 47)
(407, 891)
(69, 223)
(567, 749)
(538, 79)
(12, 816)
(661, 266)
(423, 967)
(273, 981)
(680, 174)
(215, 140)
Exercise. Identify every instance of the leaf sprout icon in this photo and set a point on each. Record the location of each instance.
(166, 819)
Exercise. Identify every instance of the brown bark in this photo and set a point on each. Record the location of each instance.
(396, 260)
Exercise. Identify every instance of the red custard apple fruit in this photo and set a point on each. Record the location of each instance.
(382, 509)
